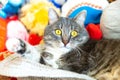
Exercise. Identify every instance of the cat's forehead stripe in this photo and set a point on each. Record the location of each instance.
(66, 22)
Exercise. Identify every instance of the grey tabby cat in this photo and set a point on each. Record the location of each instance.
(61, 36)
(67, 46)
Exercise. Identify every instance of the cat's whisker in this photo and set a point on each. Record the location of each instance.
(80, 49)
(77, 52)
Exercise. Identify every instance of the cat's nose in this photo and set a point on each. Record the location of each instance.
(65, 42)
(65, 39)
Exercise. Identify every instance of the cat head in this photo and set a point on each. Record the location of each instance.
(64, 32)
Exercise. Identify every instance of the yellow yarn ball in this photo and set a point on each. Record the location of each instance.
(35, 15)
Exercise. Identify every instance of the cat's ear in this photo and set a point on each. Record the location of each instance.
(53, 16)
(80, 18)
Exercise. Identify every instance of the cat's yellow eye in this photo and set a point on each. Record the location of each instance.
(74, 33)
(58, 32)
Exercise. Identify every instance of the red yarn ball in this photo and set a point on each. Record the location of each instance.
(34, 39)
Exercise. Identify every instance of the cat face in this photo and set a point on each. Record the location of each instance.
(63, 35)
(64, 32)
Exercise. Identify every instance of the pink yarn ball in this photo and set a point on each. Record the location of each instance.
(15, 29)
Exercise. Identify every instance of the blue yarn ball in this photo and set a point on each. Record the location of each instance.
(3, 14)
(15, 3)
